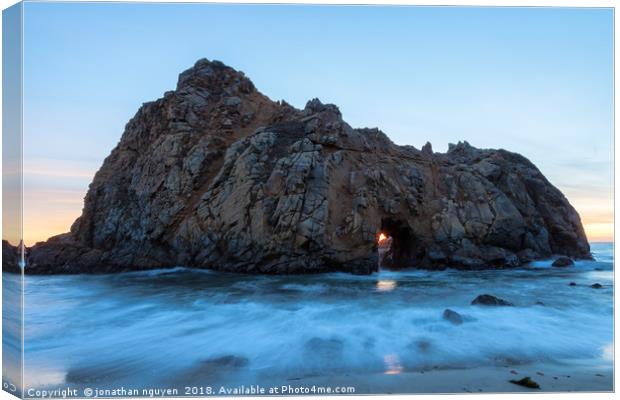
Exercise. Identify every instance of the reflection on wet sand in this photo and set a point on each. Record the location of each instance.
(386, 285)
(392, 364)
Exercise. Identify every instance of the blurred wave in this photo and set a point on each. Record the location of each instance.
(182, 326)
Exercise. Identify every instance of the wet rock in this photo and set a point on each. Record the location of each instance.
(226, 362)
(213, 367)
(89, 374)
(489, 300)
(526, 382)
(572, 284)
(596, 286)
(216, 175)
(422, 345)
(563, 262)
(527, 255)
(452, 316)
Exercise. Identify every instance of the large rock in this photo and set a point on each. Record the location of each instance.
(216, 175)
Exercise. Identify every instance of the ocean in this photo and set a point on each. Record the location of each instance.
(182, 327)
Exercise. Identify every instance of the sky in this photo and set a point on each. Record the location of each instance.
(537, 81)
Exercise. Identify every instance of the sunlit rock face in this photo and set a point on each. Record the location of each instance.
(216, 175)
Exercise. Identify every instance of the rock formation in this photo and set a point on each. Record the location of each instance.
(216, 175)
(10, 257)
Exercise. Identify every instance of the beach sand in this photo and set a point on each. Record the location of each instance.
(569, 377)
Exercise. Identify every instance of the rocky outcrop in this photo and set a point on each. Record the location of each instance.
(10, 258)
(596, 286)
(562, 262)
(216, 175)
(489, 300)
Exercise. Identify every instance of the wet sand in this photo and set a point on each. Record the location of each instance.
(569, 377)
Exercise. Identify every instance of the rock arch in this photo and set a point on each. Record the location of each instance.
(216, 175)
(404, 250)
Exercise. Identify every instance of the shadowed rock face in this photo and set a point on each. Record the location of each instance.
(216, 175)
(10, 258)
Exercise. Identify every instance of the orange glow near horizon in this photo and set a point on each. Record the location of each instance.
(599, 231)
(382, 237)
(55, 217)
(49, 213)
(54, 195)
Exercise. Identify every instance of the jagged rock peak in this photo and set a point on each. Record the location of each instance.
(427, 148)
(215, 76)
(460, 146)
(315, 106)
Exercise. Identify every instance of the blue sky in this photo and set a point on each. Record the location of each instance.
(537, 81)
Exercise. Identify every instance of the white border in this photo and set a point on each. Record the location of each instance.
(506, 3)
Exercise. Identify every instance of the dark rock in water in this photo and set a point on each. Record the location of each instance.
(89, 374)
(452, 316)
(213, 367)
(229, 362)
(488, 300)
(422, 345)
(572, 284)
(526, 382)
(596, 286)
(216, 175)
(539, 303)
(364, 266)
(527, 255)
(328, 347)
(563, 262)
(10, 258)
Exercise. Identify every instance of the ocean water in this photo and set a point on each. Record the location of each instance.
(183, 327)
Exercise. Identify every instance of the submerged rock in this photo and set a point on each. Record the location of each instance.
(422, 345)
(322, 348)
(229, 362)
(572, 284)
(213, 367)
(526, 382)
(216, 175)
(596, 286)
(563, 262)
(488, 300)
(452, 316)
(95, 374)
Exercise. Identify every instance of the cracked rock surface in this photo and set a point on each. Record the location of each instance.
(216, 175)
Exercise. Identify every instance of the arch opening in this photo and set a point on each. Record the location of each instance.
(396, 245)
